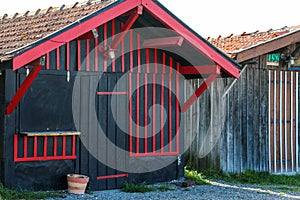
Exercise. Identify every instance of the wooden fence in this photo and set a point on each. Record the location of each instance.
(241, 140)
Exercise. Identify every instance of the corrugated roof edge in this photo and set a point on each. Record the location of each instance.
(48, 37)
(199, 36)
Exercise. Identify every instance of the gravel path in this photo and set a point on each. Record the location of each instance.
(217, 190)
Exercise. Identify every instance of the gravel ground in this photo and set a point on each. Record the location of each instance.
(217, 190)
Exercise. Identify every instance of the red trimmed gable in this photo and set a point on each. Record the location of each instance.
(115, 10)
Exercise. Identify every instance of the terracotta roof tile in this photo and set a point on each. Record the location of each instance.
(233, 43)
(20, 30)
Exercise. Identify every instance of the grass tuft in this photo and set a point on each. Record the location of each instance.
(6, 193)
(196, 176)
(164, 188)
(140, 188)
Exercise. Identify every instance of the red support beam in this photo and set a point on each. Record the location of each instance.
(199, 91)
(22, 90)
(198, 69)
(112, 176)
(163, 42)
(130, 21)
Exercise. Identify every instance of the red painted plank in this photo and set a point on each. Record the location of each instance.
(189, 36)
(112, 176)
(198, 69)
(170, 105)
(74, 145)
(57, 58)
(163, 42)
(105, 45)
(146, 113)
(15, 147)
(64, 146)
(25, 147)
(45, 146)
(31, 159)
(112, 93)
(154, 154)
(78, 55)
(162, 100)
(128, 24)
(22, 90)
(130, 114)
(131, 49)
(74, 32)
(54, 146)
(35, 146)
(154, 113)
(96, 54)
(155, 62)
(47, 61)
(87, 57)
(177, 107)
(139, 52)
(137, 114)
(199, 91)
(68, 56)
(123, 56)
(113, 64)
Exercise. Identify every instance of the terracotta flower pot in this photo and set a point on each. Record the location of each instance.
(77, 183)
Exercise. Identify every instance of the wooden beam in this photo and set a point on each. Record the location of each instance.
(22, 90)
(163, 42)
(198, 69)
(89, 35)
(199, 91)
(267, 47)
(128, 24)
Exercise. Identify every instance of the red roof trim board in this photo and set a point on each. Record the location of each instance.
(114, 10)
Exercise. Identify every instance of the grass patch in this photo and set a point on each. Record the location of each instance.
(6, 193)
(199, 178)
(164, 188)
(252, 177)
(141, 188)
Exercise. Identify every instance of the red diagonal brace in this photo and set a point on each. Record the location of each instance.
(200, 90)
(130, 21)
(22, 90)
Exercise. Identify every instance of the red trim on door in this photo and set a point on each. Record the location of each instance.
(112, 176)
(112, 93)
(22, 89)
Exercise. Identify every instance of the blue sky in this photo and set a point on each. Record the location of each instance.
(207, 17)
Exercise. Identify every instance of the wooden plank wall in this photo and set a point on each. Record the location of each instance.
(243, 142)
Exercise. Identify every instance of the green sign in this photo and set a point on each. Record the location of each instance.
(274, 57)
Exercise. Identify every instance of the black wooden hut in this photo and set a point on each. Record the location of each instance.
(94, 88)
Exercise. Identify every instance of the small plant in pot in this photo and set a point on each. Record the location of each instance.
(77, 183)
